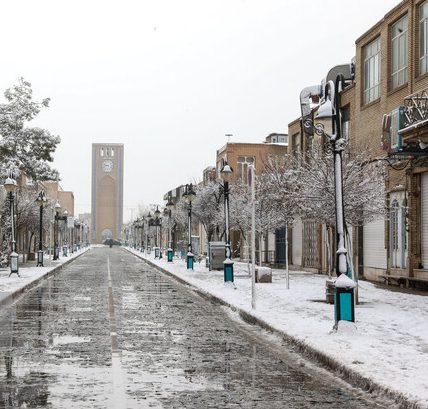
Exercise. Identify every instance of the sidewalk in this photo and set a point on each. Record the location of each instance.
(30, 275)
(386, 350)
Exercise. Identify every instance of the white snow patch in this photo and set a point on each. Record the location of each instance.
(388, 343)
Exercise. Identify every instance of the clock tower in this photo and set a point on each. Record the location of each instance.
(107, 191)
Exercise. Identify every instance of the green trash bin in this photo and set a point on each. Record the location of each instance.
(189, 260)
(344, 303)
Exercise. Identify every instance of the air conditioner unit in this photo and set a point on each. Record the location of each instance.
(397, 119)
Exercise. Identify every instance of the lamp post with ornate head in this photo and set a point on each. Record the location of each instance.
(169, 207)
(41, 200)
(330, 109)
(189, 195)
(10, 186)
(226, 173)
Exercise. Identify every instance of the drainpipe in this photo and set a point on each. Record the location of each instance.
(305, 105)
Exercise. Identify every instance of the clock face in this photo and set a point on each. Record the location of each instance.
(107, 165)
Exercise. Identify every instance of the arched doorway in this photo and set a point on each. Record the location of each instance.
(106, 234)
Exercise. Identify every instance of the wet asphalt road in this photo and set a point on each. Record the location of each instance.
(110, 332)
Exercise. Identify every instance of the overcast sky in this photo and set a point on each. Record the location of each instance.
(170, 78)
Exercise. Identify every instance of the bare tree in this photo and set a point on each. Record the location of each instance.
(207, 206)
(363, 186)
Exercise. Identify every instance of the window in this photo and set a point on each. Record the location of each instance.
(399, 52)
(346, 122)
(394, 225)
(371, 55)
(102, 152)
(283, 139)
(296, 143)
(423, 37)
(243, 162)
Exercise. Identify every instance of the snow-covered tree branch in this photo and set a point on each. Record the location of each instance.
(25, 149)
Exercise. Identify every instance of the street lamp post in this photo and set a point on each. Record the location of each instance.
(56, 230)
(10, 186)
(157, 224)
(169, 207)
(71, 236)
(148, 220)
(189, 195)
(133, 238)
(141, 224)
(77, 234)
(226, 173)
(41, 199)
(137, 235)
(332, 109)
(65, 243)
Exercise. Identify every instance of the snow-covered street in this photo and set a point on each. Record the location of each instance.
(387, 345)
(111, 331)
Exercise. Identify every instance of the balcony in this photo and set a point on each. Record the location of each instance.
(415, 117)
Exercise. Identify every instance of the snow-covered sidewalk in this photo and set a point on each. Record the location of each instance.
(30, 275)
(387, 345)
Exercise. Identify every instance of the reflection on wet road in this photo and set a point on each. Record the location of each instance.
(110, 332)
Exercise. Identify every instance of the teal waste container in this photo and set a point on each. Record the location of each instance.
(344, 303)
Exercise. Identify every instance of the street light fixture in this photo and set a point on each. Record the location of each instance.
(226, 173)
(149, 219)
(41, 200)
(135, 234)
(157, 223)
(10, 186)
(56, 230)
(170, 207)
(332, 109)
(189, 195)
(141, 226)
(65, 244)
(77, 237)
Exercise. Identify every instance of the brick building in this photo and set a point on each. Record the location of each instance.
(386, 112)
(391, 76)
(239, 157)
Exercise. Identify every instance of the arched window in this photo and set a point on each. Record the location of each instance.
(102, 152)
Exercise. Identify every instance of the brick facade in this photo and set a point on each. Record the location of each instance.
(365, 127)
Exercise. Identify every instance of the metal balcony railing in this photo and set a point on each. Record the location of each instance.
(415, 108)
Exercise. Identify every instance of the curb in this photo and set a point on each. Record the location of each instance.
(10, 298)
(312, 354)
